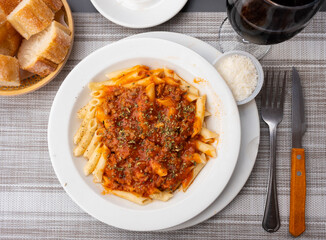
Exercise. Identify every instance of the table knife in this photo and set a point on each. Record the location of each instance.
(298, 172)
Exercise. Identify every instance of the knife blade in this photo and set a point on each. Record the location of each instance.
(298, 172)
(298, 116)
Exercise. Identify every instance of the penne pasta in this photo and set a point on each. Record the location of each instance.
(91, 110)
(203, 158)
(172, 111)
(99, 85)
(177, 77)
(93, 103)
(171, 81)
(81, 131)
(118, 74)
(157, 72)
(143, 82)
(190, 89)
(206, 140)
(94, 142)
(158, 168)
(93, 160)
(86, 139)
(191, 97)
(131, 197)
(159, 125)
(185, 86)
(90, 113)
(99, 169)
(199, 116)
(207, 134)
(82, 112)
(161, 196)
(205, 148)
(97, 94)
(200, 160)
(157, 80)
(131, 77)
(207, 114)
(167, 102)
(105, 180)
(168, 73)
(150, 91)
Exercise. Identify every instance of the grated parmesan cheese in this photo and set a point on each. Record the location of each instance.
(240, 74)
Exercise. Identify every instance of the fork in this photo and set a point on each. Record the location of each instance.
(272, 102)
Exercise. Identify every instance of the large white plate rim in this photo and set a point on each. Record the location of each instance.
(64, 175)
(145, 18)
(250, 132)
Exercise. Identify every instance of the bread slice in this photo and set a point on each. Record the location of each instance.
(9, 71)
(54, 5)
(3, 16)
(31, 17)
(7, 6)
(55, 43)
(43, 51)
(39, 66)
(9, 39)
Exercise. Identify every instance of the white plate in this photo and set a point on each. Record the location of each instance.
(63, 123)
(250, 131)
(138, 13)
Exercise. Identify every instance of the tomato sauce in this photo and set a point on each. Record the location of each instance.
(150, 142)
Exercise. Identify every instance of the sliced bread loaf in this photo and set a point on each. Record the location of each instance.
(38, 65)
(9, 39)
(31, 17)
(7, 6)
(9, 71)
(54, 5)
(3, 16)
(43, 51)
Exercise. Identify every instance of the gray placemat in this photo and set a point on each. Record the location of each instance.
(33, 205)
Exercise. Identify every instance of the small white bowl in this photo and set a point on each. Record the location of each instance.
(260, 73)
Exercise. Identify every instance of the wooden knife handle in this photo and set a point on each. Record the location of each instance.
(298, 192)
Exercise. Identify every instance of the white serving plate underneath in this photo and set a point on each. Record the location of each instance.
(250, 131)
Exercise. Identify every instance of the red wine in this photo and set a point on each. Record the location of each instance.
(265, 22)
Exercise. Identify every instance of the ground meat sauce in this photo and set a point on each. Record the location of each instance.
(151, 145)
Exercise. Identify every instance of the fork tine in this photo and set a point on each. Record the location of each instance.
(269, 93)
(267, 87)
(276, 93)
(283, 91)
(264, 92)
(273, 96)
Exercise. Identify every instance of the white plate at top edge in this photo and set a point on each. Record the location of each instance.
(139, 13)
(63, 123)
(250, 132)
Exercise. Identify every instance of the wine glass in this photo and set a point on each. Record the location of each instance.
(260, 23)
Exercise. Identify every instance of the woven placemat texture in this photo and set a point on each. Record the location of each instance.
(33, 205)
